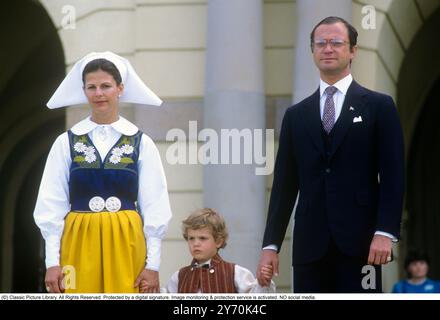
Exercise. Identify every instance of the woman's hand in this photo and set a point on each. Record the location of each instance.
(54, 280)
(147, 281)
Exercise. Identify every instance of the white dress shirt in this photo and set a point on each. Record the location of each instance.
(338, 99)
(53, 202)
(244, 282)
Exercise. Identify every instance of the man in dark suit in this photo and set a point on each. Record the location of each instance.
(342, 149)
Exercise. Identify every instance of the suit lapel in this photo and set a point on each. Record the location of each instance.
(313, 121)
(352, 107)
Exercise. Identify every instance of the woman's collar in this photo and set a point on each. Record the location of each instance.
(122, 125)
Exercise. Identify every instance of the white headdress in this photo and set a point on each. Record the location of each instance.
(70, 91)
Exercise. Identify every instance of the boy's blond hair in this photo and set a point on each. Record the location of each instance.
(206, 217)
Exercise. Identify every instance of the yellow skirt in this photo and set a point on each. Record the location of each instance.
(102, 252)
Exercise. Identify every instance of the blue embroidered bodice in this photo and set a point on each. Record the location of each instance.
(114, 176)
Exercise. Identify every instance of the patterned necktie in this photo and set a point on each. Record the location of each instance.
(328, 118)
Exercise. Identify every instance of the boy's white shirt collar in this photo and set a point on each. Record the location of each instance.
(208, 262)
(342, 85)
(122, 125)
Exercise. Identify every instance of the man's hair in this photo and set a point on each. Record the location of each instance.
(352, 32)
(104, 65)
(206, 217)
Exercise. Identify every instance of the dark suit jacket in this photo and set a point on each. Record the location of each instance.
(340, 192)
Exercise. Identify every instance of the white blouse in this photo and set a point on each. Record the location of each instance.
(53, 202)
(244, 282)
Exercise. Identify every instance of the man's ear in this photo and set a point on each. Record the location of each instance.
(353, 50)
(219, 243)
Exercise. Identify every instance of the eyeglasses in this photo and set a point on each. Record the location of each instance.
(334, 43)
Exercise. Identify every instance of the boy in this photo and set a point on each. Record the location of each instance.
(206, 233)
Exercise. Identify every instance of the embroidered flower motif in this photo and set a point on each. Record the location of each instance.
(115, 159)
(121, 156)
(89, 151)
(90, 158)
(127, 149)
(80, 147)
(117, 152)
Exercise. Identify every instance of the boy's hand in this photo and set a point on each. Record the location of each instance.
(268, 258)
(147, 281)
(267, 272)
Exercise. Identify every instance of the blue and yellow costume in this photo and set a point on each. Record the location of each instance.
(110, 241)
(102, 201)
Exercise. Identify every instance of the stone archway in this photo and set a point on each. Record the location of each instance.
(423, 201)
(418, 96)
(32, 66)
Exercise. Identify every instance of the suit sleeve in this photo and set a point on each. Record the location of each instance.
(284, 188)
(391, 169)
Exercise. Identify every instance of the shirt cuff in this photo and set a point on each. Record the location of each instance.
(271, 247)
(153, 253)
(386, 234)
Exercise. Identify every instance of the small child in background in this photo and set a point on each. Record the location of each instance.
(417, 268)
(205, 232)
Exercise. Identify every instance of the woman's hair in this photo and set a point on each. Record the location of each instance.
(206, 217)
(104, 65)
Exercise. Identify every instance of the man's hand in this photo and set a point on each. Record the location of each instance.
(148, 281)
(268, 262)
(54, 280)
(380, 250)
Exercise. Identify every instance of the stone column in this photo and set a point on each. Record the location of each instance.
(234, 98)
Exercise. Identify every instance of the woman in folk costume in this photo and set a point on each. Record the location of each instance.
(103, 204)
